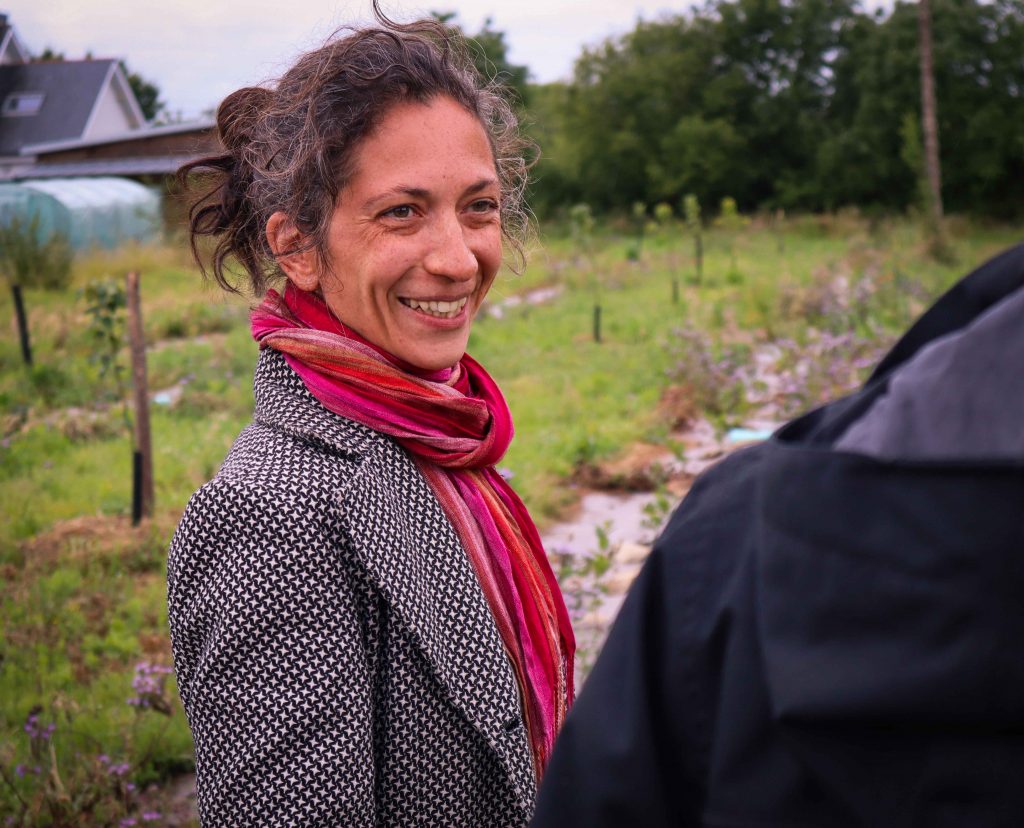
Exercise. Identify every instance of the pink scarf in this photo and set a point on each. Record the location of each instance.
(456, 426)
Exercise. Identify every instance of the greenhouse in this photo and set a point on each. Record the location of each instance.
(90, 212)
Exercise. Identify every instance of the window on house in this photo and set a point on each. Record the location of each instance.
(22, 103)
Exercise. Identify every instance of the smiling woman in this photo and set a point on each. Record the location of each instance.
(414, 242)
(365, 626)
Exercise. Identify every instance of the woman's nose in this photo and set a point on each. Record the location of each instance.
(450, 253)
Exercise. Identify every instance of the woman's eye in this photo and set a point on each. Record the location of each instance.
(402, 211)
(483, 205)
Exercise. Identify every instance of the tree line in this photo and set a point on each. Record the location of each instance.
(796, 104)
(807, 105)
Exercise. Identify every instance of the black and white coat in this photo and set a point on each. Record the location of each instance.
(335, 655)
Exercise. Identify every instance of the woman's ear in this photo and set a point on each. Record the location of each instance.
(295, 255)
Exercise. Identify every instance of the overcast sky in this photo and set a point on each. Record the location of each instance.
(197, 51)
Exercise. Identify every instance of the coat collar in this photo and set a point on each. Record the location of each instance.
(285, 404)
(410, 551)
(907, 568)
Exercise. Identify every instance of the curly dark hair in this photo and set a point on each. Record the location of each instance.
(289, 146)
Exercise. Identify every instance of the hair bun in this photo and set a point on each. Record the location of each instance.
(238, 114)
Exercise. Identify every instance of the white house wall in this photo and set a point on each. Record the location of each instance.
(109, 118)
(12, 51)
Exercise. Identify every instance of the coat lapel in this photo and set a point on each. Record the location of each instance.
(411, 552)
(409, 548)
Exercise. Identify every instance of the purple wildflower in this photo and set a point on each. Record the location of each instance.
(37, 731)
(148, 685)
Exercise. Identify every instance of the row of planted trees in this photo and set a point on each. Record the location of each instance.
(28, 260)
(644, 221)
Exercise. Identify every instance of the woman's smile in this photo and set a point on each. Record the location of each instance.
(438, 309)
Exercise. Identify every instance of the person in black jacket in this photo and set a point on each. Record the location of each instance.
(830, 631)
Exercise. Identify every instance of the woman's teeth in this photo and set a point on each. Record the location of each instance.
(444, 310)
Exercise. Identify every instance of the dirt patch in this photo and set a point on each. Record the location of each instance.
(679, 485)
(79, 424)
(676, 406)
(497, 308)
(101, 531)
(178, 342)
(175, 801)
(11, 424)
(96, 608)
(89, 538)
(643, 468)
(155, 645)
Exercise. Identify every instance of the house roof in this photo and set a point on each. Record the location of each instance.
(204, 125)
(148, 165)
(71, 89)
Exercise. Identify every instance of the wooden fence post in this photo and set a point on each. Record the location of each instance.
(142, 465)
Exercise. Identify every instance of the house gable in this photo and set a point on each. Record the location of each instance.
(116, 110)
(80, 98)
(12, 50)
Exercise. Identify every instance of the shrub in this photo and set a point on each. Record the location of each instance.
(28, 260)
(716, 378)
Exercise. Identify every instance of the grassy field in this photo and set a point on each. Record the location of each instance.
(82, 599)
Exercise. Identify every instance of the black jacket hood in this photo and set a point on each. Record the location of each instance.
(890, 608)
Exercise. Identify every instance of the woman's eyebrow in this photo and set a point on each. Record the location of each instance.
(482, 184)
(400, 190)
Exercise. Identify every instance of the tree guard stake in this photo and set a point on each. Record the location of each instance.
(19, 310)
(142, 461)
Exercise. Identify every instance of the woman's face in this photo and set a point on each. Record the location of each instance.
(415, 240)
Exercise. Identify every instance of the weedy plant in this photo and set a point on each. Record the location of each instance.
(657, 511)
(778, 226)
(581, 223)
(715, 376)
(69, 786)
(663, 216)
(730, 220)
(691, 212)
(584, 592)
(581, 229)
(638, 214)
(27, 259)
(105, 303)
(824, 367)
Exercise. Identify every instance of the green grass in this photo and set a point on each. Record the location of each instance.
(82, 597)
(77, 613)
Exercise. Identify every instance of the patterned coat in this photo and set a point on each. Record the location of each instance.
(335, 654)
